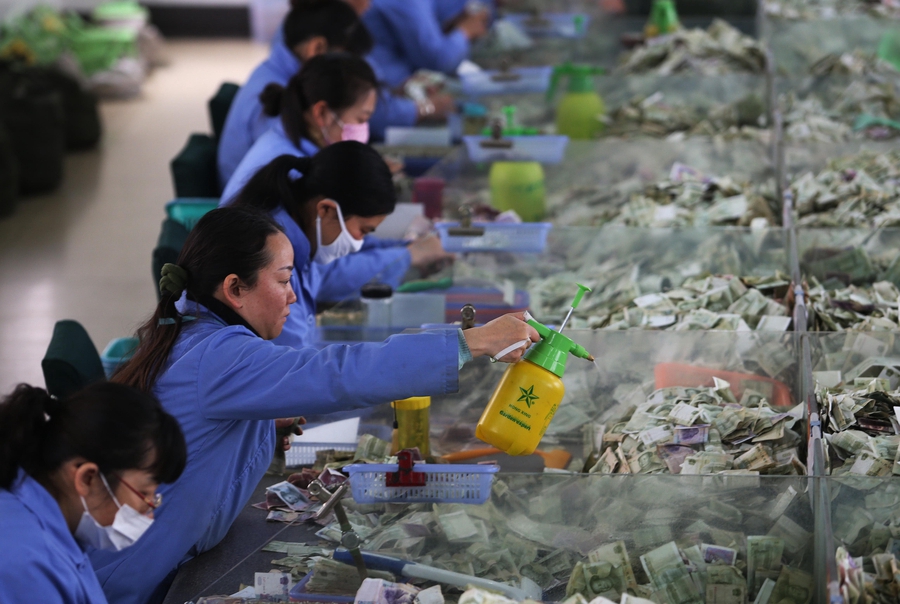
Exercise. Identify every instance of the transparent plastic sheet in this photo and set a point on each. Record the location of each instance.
(601, 175)
(858, 256)
(797, 44)
(544, 526)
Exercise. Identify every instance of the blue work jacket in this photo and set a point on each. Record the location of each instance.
(332, 282)
(408, 36)
(225, 385)
(40, 561)
(246, 121)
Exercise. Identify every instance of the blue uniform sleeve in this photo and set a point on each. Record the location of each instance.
(392, 110)
(371, 242)
(418, 34)
(245, 377)
(345, 276)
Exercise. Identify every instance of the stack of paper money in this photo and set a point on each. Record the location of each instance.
(717, 50)
(856, 191)
(687, 198)
(854, 308)
(701, 431)
(828, 9)
(722, 302)
(860, 423)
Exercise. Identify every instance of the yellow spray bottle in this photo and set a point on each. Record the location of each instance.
(581, 110)
(530, 391)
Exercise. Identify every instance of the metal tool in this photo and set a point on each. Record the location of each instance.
(349, 538)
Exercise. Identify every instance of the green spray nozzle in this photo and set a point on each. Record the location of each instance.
(581, 78)
(553, 350)
(510, 128)
(663, 18)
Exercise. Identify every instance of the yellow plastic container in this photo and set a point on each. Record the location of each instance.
(530, 392)
(413, 425)
(521, 408)
(519, 186)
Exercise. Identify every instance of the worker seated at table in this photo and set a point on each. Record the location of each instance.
(345, 192)
(207, 353)
(76, 473)
(411, 35)
(311, 28)
(331, 99)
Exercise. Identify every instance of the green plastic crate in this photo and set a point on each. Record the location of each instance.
(188, 211)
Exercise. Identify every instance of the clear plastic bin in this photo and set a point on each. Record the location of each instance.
(543, 149)
(557, 25)
(520, 81)
(524, 237)
(444, 483)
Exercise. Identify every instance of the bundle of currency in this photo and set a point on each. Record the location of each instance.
(855, 63)
(701, 431)
(686, 198)
(722, 302)
(854, 308)
(856, 191)
(860, 424)
(717, 50)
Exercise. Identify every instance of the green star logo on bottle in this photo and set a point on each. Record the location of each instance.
(528, 396)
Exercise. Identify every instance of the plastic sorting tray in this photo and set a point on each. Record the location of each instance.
(557, 25)
(523, 237)
(117, 352)
(340, 436)
(522, 80)
(444, 483)
(489, 302)
(188, 210)
(546, 149)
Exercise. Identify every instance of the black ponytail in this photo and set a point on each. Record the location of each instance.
(335, 20)
(116, 427)
(339, 79)
(225, 241)
(350, 173)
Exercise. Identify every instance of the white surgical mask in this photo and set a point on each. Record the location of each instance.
(127, 526)
(343, 245)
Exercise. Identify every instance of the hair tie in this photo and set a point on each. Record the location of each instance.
(172, 321)
(174, 279)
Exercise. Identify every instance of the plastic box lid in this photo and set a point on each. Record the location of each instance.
(546, 149)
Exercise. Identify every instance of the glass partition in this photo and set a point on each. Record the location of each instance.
(665, 538)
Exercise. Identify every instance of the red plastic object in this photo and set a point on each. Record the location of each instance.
(405, 476)
(430, 192)
(668, 375)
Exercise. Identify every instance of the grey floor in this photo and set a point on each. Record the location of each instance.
(83, 252)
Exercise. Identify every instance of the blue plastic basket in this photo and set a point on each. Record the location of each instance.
(117, 352)
(444, 483)
(521, 237)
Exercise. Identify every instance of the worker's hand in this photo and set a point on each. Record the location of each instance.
(474, 25)
(498, 334)
(394, 164)
(427, 251)
(287, 423)
(439, 106)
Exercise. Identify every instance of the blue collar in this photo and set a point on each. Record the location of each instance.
(284, 61)
(299, 240)
(45, 508)
(307, 147)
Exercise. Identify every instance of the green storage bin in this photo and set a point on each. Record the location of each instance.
(188, 211)
(117, 352)
(99, 48)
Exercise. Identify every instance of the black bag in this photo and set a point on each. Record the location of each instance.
(82, 125)
(9, 175)
(172, 236)
(219, 106)
(194, 171)
(33, 115)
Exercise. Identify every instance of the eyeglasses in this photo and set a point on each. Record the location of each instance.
(154, 503)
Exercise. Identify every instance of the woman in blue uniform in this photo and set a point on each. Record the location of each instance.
(209, 358)
(331, 99)
(77, 472)
(310, 29)
(409, 35)
(345, 192)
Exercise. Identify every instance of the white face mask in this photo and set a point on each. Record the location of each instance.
(127, 526)
(343, 245)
